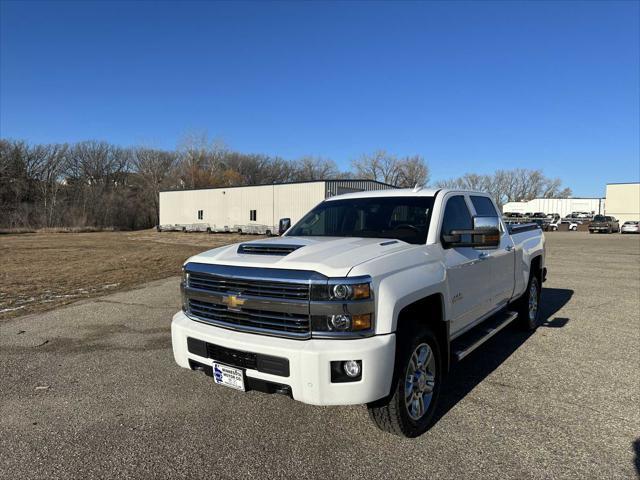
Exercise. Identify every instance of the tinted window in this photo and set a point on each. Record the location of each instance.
(402, 218)
(457, 217)
(484, 207)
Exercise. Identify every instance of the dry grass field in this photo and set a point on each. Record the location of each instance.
(41, 271)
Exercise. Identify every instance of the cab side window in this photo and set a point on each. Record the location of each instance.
(484, 207)
(456, 217)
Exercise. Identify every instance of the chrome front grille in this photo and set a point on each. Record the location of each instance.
(286, 323)
(257, 288)
(256, 300)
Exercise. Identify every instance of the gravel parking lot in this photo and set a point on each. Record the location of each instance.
(91, 390)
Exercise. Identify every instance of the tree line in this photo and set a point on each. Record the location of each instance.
(98, 184)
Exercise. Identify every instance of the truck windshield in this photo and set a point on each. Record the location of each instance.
(401, 218)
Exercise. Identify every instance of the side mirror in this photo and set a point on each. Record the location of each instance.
(485, 234)
(284, 225)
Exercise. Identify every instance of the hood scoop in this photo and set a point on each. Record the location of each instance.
(280, 249)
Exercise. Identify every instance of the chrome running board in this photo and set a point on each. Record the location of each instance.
(467, 343)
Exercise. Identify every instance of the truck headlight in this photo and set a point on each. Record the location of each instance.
(356, 291)
(342, 308)
(358, 288)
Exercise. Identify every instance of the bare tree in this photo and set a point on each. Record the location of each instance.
(315, 168)
(510, 185)
(51, 167)
(413, 171)
(156, 169)
(380, 166)
(202, 160)
(388, 168)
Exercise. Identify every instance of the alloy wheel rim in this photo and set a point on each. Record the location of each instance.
(533, 300)
(420, 381)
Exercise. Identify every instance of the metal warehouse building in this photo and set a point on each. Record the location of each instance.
(623, 201)
(250, 209)
(561, 206)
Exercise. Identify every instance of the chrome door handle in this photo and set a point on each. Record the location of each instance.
(508, 248)
(483, 256)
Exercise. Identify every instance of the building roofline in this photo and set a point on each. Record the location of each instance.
(623, 183)
(333, 180)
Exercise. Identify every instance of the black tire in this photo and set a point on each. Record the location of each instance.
(268, 233)
(523, 305)
(391, 414)
(209, 230)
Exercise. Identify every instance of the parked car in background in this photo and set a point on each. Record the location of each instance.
(555, 224)
(528, 214)
(632, 226)
(513, 215)
(539, 215)
(604, 224)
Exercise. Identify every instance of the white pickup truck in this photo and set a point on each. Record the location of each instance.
(368, 299)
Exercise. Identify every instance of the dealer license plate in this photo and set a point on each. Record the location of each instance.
(228, 376)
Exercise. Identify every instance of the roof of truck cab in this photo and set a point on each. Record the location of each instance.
(402, 192)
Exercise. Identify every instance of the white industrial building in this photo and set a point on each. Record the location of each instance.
(623, 201)
(561, 206)
(250, 209)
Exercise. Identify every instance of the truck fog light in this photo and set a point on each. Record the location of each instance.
(340, 323)
(351, 368)
(342, 291)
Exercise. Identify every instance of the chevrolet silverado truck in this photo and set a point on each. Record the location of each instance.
(368, 299)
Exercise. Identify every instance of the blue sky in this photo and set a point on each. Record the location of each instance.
(470, 86)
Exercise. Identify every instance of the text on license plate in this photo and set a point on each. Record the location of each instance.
(228, 376)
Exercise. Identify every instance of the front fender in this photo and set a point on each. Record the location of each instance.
(402, 279)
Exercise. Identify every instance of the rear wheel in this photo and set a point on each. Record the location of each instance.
(529, 304)
(408, 411)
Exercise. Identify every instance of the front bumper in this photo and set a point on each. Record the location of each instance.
(309, 361)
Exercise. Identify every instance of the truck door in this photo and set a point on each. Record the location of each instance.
(501, 260)
(467, 271)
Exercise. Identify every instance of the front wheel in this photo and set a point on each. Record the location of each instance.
(408, 411)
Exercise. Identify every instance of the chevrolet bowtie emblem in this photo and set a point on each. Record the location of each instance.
(232, 301)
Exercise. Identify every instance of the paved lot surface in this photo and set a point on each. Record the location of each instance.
(91, 391)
